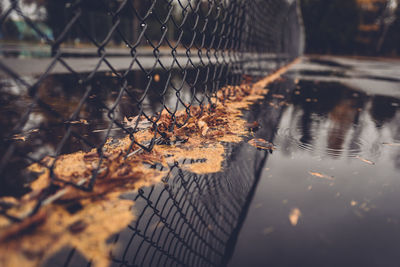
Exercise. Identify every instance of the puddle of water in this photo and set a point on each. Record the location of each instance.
(60, 95)
(327, 195)
(337, 165)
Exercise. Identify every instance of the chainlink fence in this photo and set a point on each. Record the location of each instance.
(71, 71)
(190, 219)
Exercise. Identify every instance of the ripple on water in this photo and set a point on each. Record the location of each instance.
(317, 141)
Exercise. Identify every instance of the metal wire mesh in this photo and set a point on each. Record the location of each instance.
(189, 219)
(196, 47)
(71, 71)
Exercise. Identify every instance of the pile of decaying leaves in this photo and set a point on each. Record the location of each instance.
(69, 216)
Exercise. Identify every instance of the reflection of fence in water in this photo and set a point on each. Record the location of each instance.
(194, 220)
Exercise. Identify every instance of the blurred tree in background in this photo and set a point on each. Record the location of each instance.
(331, 26)
(391, 42)
(358, 27)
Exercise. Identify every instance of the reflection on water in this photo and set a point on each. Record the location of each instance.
(189, 219)
(337, 162)
(59, 97)
(240, 217)
(332, 119)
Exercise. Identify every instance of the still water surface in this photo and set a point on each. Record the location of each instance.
(336, 171)
(327, 195)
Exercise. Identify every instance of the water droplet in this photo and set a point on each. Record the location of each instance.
(142, 25)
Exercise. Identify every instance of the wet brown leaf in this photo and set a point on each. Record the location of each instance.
(279, 96)
(294, 216)
(19, 137)
(253, 125)
(322, 176)
(365, 160)
(262, 144)
(81, 121)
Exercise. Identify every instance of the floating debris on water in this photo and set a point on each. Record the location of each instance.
(81, 121)
(262, 144)
(294, 216)
(365, 160)
(322, 176)
(253, 126)
(279, 96)
(353, 203)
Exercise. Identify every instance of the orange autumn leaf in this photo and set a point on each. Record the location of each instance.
(294, 216)
(365, 160)
(262, 144)
(322, 176)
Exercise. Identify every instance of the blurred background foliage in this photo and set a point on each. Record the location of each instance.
(346, 27)
(352, 27)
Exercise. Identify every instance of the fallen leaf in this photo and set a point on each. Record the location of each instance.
(294, 216)
(131, 122)
(322, 176)
(279, 96)
(262, 144)
(203, 127)
(19, 137)
(353, 203)
(81, 121)
(365, 160)
(252, 125)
